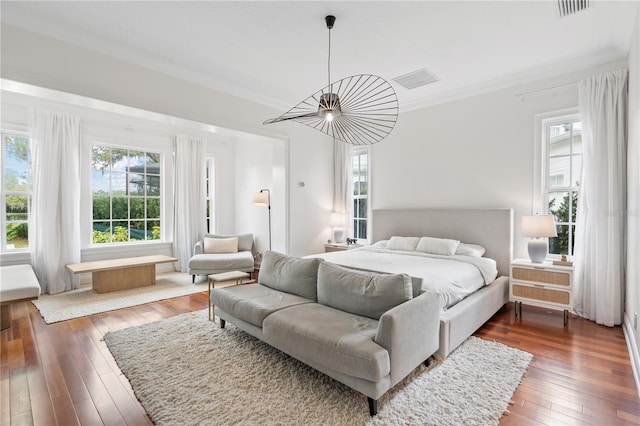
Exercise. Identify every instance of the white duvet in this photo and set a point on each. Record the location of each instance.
(452, 277)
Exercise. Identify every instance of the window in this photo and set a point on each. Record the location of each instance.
(562, 169)
(211, 191)
(126, 195)
(16, 191)
(360, 175)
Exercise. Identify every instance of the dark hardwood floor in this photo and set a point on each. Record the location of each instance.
(64, 374)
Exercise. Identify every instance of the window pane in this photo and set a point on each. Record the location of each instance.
(153, 208)
(16, 177)
(101, 206)
(119, 159)
(153, 185)
(100, 183)
(362, 208)
(118, 183)
(560, 139)
(136, 208)
(136, 161)
(16, 149)
(559, 206)
(576, 170)
(577, 138)
(100, 158)
(101, 232)
(120, 232)
(560, 244)
(17, 235)
(120, 208)
(559, 172)
(136, 184)
(153, 230)
(362, 229)
(16, 207)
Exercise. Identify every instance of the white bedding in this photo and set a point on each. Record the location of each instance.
(452, 277)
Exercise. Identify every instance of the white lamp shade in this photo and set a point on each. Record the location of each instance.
(338, 219)
(539, 226)
(261, 199)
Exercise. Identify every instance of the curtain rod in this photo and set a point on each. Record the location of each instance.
(521, 96)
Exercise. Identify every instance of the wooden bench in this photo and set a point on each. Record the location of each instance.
(18, 283)
(121, 274)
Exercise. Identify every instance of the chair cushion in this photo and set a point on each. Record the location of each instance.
(322, 335)
(18, 282)
(369, 294)
(291, 274)
(245, 241)
(221, 261)
(253, 302)
(220, 245)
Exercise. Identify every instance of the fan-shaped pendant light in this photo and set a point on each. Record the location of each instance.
(359, 110)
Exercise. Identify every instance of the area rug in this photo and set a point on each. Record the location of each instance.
(185, 370)
(85, 301)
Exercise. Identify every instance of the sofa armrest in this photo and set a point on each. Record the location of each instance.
(410, 333)
(197, 248)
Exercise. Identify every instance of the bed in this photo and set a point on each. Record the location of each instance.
(469, 308)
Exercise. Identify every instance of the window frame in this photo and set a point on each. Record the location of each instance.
(129, 148)
(358, 151)
(541, 205)
(9, 131)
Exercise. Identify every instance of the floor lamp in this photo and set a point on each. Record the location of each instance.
(263, 199)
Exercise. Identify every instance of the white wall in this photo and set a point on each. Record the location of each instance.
(41, 61)
(475, 152)
(632, 305)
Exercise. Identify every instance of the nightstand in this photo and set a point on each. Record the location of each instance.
(340, 247)
(541, 284)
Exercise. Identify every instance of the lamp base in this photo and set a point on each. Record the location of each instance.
(338, 236)
(538, 249)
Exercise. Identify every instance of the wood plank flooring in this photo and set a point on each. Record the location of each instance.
(64, 374)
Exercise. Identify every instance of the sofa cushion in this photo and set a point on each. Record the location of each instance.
(253, 302)
(291, 274)
(221, 261)
(220, 245)
(369, 294)
(318, 334)
(245, 241)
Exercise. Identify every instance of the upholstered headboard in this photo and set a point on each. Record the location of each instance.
(490, 228)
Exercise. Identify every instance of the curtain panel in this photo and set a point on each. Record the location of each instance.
(189, 197)
(601, 214)
(55, 213)
(341, 178)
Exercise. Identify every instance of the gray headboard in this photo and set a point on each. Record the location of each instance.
(490, 228)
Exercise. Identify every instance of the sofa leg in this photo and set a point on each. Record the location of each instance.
(373, 406)
(222, 323)
(193, 279)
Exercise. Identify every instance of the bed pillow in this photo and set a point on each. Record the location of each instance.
(472, 250)
(403, 243)
(220, 245)
(441, 246)
(380, 244)
(290, 274)
(368, 294)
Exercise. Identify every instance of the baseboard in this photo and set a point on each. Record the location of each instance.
(634, 354)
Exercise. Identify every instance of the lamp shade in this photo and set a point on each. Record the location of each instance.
(539, 226)
(337, 219)
(261, 199)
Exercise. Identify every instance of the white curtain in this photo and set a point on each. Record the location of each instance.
(600, 224)
(189, 216)
(55, 213)
(341, 177)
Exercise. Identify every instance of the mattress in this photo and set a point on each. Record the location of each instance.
(452, 277)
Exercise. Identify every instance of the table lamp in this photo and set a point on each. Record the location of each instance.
(539, 228)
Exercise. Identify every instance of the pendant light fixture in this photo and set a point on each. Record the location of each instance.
(359, 110)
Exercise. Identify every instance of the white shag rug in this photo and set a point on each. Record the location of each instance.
(185, 370)
(85, 301)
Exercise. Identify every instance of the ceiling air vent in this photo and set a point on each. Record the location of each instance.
(416, 79)
(569, 7)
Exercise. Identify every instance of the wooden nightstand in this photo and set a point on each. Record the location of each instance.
(340, 247)
(541, 284)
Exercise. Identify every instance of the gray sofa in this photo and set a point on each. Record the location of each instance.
(216, 263)
(364, 329)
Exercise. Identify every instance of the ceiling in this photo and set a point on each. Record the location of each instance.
(275, 53)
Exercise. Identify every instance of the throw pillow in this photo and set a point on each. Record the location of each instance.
(441, 246)
(220, 245)
(368, 294)
(403, 243)
(292, 275)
